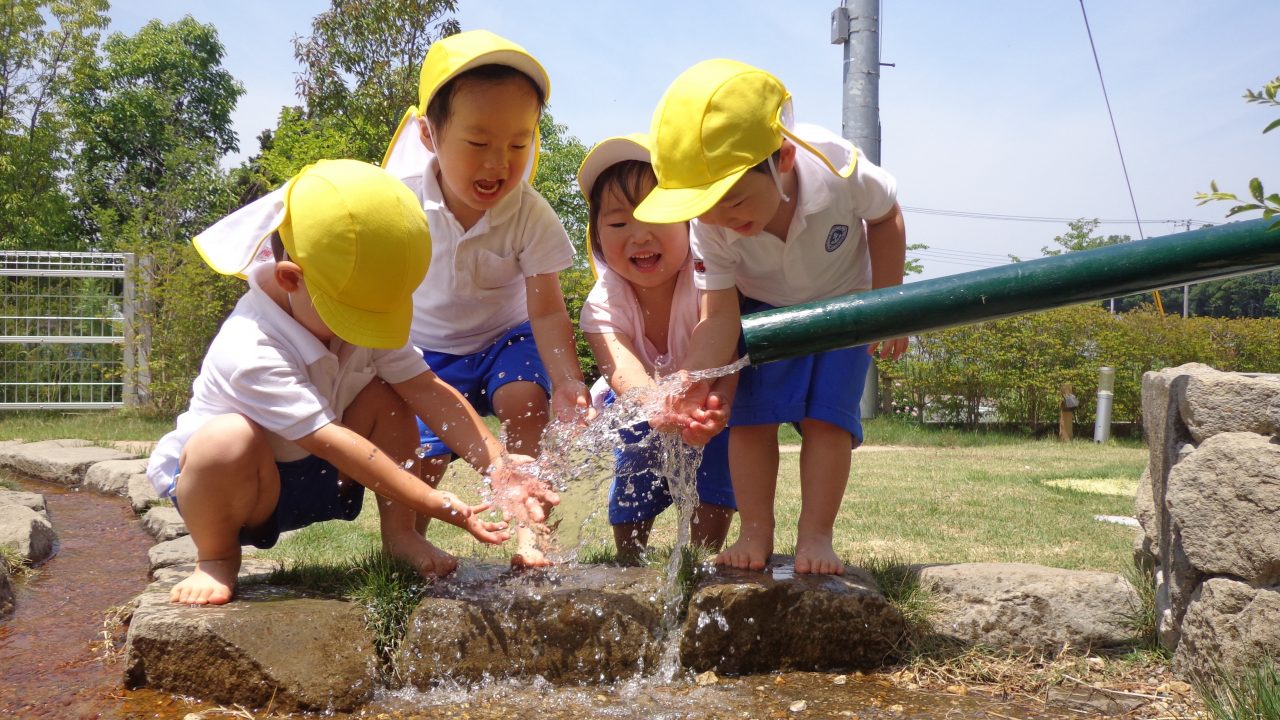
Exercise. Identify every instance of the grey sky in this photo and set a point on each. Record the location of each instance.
(993, 106)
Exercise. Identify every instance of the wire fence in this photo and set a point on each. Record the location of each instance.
(67, 329)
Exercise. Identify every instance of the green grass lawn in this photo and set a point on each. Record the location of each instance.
(931, 496)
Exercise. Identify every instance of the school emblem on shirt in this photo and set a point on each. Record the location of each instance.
(836, 237)
(699, 266)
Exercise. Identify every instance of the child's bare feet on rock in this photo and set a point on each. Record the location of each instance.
(748, 552)
(212, 583)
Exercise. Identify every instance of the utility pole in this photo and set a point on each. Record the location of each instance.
(856, 26)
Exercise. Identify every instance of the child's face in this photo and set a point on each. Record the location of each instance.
(645, 254)
(748, 206)
(484, 148)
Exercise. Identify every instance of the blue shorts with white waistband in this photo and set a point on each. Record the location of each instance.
(310, 492)
(512, 357)
(638, 493)
(825, 386)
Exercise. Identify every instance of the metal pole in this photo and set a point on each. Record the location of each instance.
(1106, 395)
(1044, 283)
(856, 25)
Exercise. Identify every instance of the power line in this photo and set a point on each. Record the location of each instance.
(1112, 116)
(1037, 218)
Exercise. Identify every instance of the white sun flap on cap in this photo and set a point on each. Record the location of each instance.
(231, 244)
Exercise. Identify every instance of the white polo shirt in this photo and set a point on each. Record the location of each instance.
(825, 253)
(474, 290)
(264, 365)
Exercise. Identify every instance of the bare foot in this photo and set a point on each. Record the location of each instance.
(212, 583)
(747, 553)
(816, 556)
(528, 554)
(430, 561)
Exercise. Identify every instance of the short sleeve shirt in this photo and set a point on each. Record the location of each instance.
(612, 307)
(474, 290)
(265, 366)
(825, 252)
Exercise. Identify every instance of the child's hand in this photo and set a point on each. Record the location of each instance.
(571, 402)
(449, 508)
(520, 496)
(889, 349)
(679, 410)
(707, 422)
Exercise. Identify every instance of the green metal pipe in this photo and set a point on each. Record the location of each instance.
(1025, 287)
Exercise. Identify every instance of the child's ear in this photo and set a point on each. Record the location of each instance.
(288, 275)
(424, 131)
(786, 156)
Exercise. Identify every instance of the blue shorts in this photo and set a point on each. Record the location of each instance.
(512, 357)
(639, 494)
(825, 386)
(309, 493)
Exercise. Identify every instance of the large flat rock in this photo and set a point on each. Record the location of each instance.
(63, 462)
(572, 624)
(269, 646)
(743, 621)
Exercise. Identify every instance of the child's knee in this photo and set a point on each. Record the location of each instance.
(518, 400)
(226, 440)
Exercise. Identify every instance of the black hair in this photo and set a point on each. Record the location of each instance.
(439, 108)
(763, 165)
(277, 247)
(633, 179)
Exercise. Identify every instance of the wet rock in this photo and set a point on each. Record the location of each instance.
(267, 647)
(34, 501)
(141, 494)
(1224, 501)
(1012, 606)
(585, 623)
(1228, 626)
(164, 523)
(741, 621)
(111, 477)
(57, 461)
(26, 532)
(6, 593)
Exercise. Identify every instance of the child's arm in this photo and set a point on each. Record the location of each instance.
(442, 407)
(553, 333)
(359, 459)
(887, 245)
(714, 343)
(621, 366)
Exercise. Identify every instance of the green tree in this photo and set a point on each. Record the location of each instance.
(157, 106)
(361, 62)
(1260, 200)
(43, 45)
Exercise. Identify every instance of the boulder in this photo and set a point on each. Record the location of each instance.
(1228, 626)
(268, 647)
(6, 592)
(1018, 607)
(1224, 501)
(742, 621)
(164, 523)
(570, 624)
(141, 494)
(1221, 402)
(34, 501)
(26, 532)
(63, 462)
(178, 551)
(111, 477)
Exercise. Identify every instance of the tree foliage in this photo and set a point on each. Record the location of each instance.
(1258, 197)
(360, 65)
(157, 107)
(43, 45)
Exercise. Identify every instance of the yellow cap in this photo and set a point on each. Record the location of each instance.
(361, 239)
(604, 155)
(448, 58)
(716, 121)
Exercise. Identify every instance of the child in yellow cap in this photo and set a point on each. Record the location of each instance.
(490, 317)
(639, 320)
(785, 215)
(306, 395)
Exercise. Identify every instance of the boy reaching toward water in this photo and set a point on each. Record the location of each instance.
(490, 317)
(784, 216)
(307, 394)
(638, 319)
